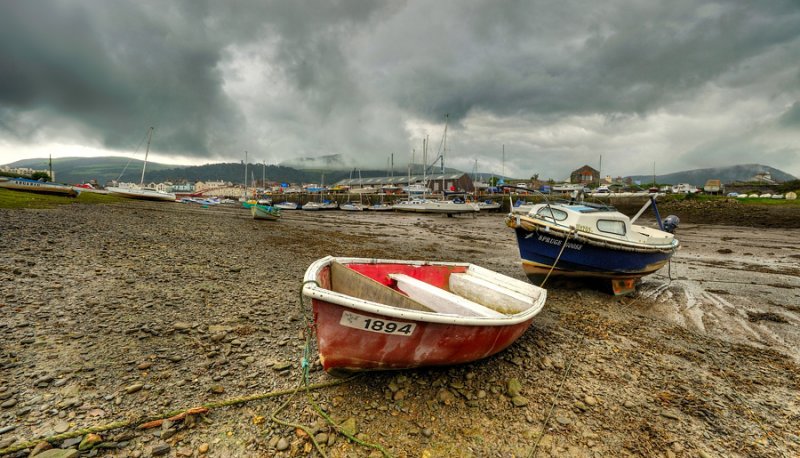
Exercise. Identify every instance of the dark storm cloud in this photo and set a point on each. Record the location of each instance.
(791, 118)
(574, 58)
(556, 81)
(115, 68)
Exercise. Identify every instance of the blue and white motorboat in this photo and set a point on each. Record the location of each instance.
(576, 239)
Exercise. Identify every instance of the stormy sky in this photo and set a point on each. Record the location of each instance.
(676, 85)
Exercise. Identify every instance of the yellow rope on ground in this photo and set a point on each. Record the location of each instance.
(567, 370)
(305, 364)
(146, 418)
(274, 417)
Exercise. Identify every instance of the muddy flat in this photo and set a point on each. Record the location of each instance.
(119, 312)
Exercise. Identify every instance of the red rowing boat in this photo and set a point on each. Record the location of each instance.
(373, 314)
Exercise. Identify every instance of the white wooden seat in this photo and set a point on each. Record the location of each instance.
(439, 300)
(495, 297)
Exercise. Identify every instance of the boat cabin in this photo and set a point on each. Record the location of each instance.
(604, 222)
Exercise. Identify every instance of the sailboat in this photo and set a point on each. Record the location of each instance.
(323, 204)
(455, 206)
(143, 193)
(352, 206)
(246, 203)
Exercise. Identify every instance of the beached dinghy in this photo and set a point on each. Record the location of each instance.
(266, 212)
(373, 314)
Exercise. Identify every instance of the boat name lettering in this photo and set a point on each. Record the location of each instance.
(583, 228)
(557, 242)
(367, 323)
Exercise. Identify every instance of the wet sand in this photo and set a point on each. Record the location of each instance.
(109, 312)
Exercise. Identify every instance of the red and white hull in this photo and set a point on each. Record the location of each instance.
(457, 324)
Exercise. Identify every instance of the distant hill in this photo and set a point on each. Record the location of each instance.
(105, 169)
(698, 177)
(102, 169)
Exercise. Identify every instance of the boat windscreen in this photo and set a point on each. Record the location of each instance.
(584, 209)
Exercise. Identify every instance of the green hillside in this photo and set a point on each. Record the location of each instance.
(102, 169)
(105, 169)
(698, 177)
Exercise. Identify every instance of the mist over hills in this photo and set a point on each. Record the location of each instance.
(83, 169)
(729, 174)
(105, 169)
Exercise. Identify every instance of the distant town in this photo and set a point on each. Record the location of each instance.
(585, 178)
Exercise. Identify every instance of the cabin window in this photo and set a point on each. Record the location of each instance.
(611, 226)
(550, 212)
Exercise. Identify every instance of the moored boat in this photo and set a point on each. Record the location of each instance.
(142, 192)
(593, 241)
(86, 187)
(44, 187)
(374, 314)
(444, 207)
(521, 207)
(265, 212)
(380, 207)
(352, 206)
(488, 205)
(286, 205)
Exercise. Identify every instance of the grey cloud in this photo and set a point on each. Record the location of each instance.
(303, 79)
(791, 119)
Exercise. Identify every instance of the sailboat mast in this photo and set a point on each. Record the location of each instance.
(147, 151)
(425, 161)
(654, 173)
(361, 188)
(244, 194)
(413, 152)
(600, 172)
(444, 148)
(504, 162)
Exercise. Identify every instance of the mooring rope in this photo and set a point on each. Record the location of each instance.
(147, 418)
(567, 370)
(305, 367)
(563, 246)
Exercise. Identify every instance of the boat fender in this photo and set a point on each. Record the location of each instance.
(671, 223)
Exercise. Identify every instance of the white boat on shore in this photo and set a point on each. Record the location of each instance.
(444, 207)
(352, 207)
(286, 205)
(380, 206)
(86, 187)
(43, 187)
(324, 205)
(488, 205)
(143, 193)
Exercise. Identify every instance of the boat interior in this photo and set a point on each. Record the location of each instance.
(446, 289)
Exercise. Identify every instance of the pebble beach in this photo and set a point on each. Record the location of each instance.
(121, 312)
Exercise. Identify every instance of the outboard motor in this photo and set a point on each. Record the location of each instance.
(671, 223)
